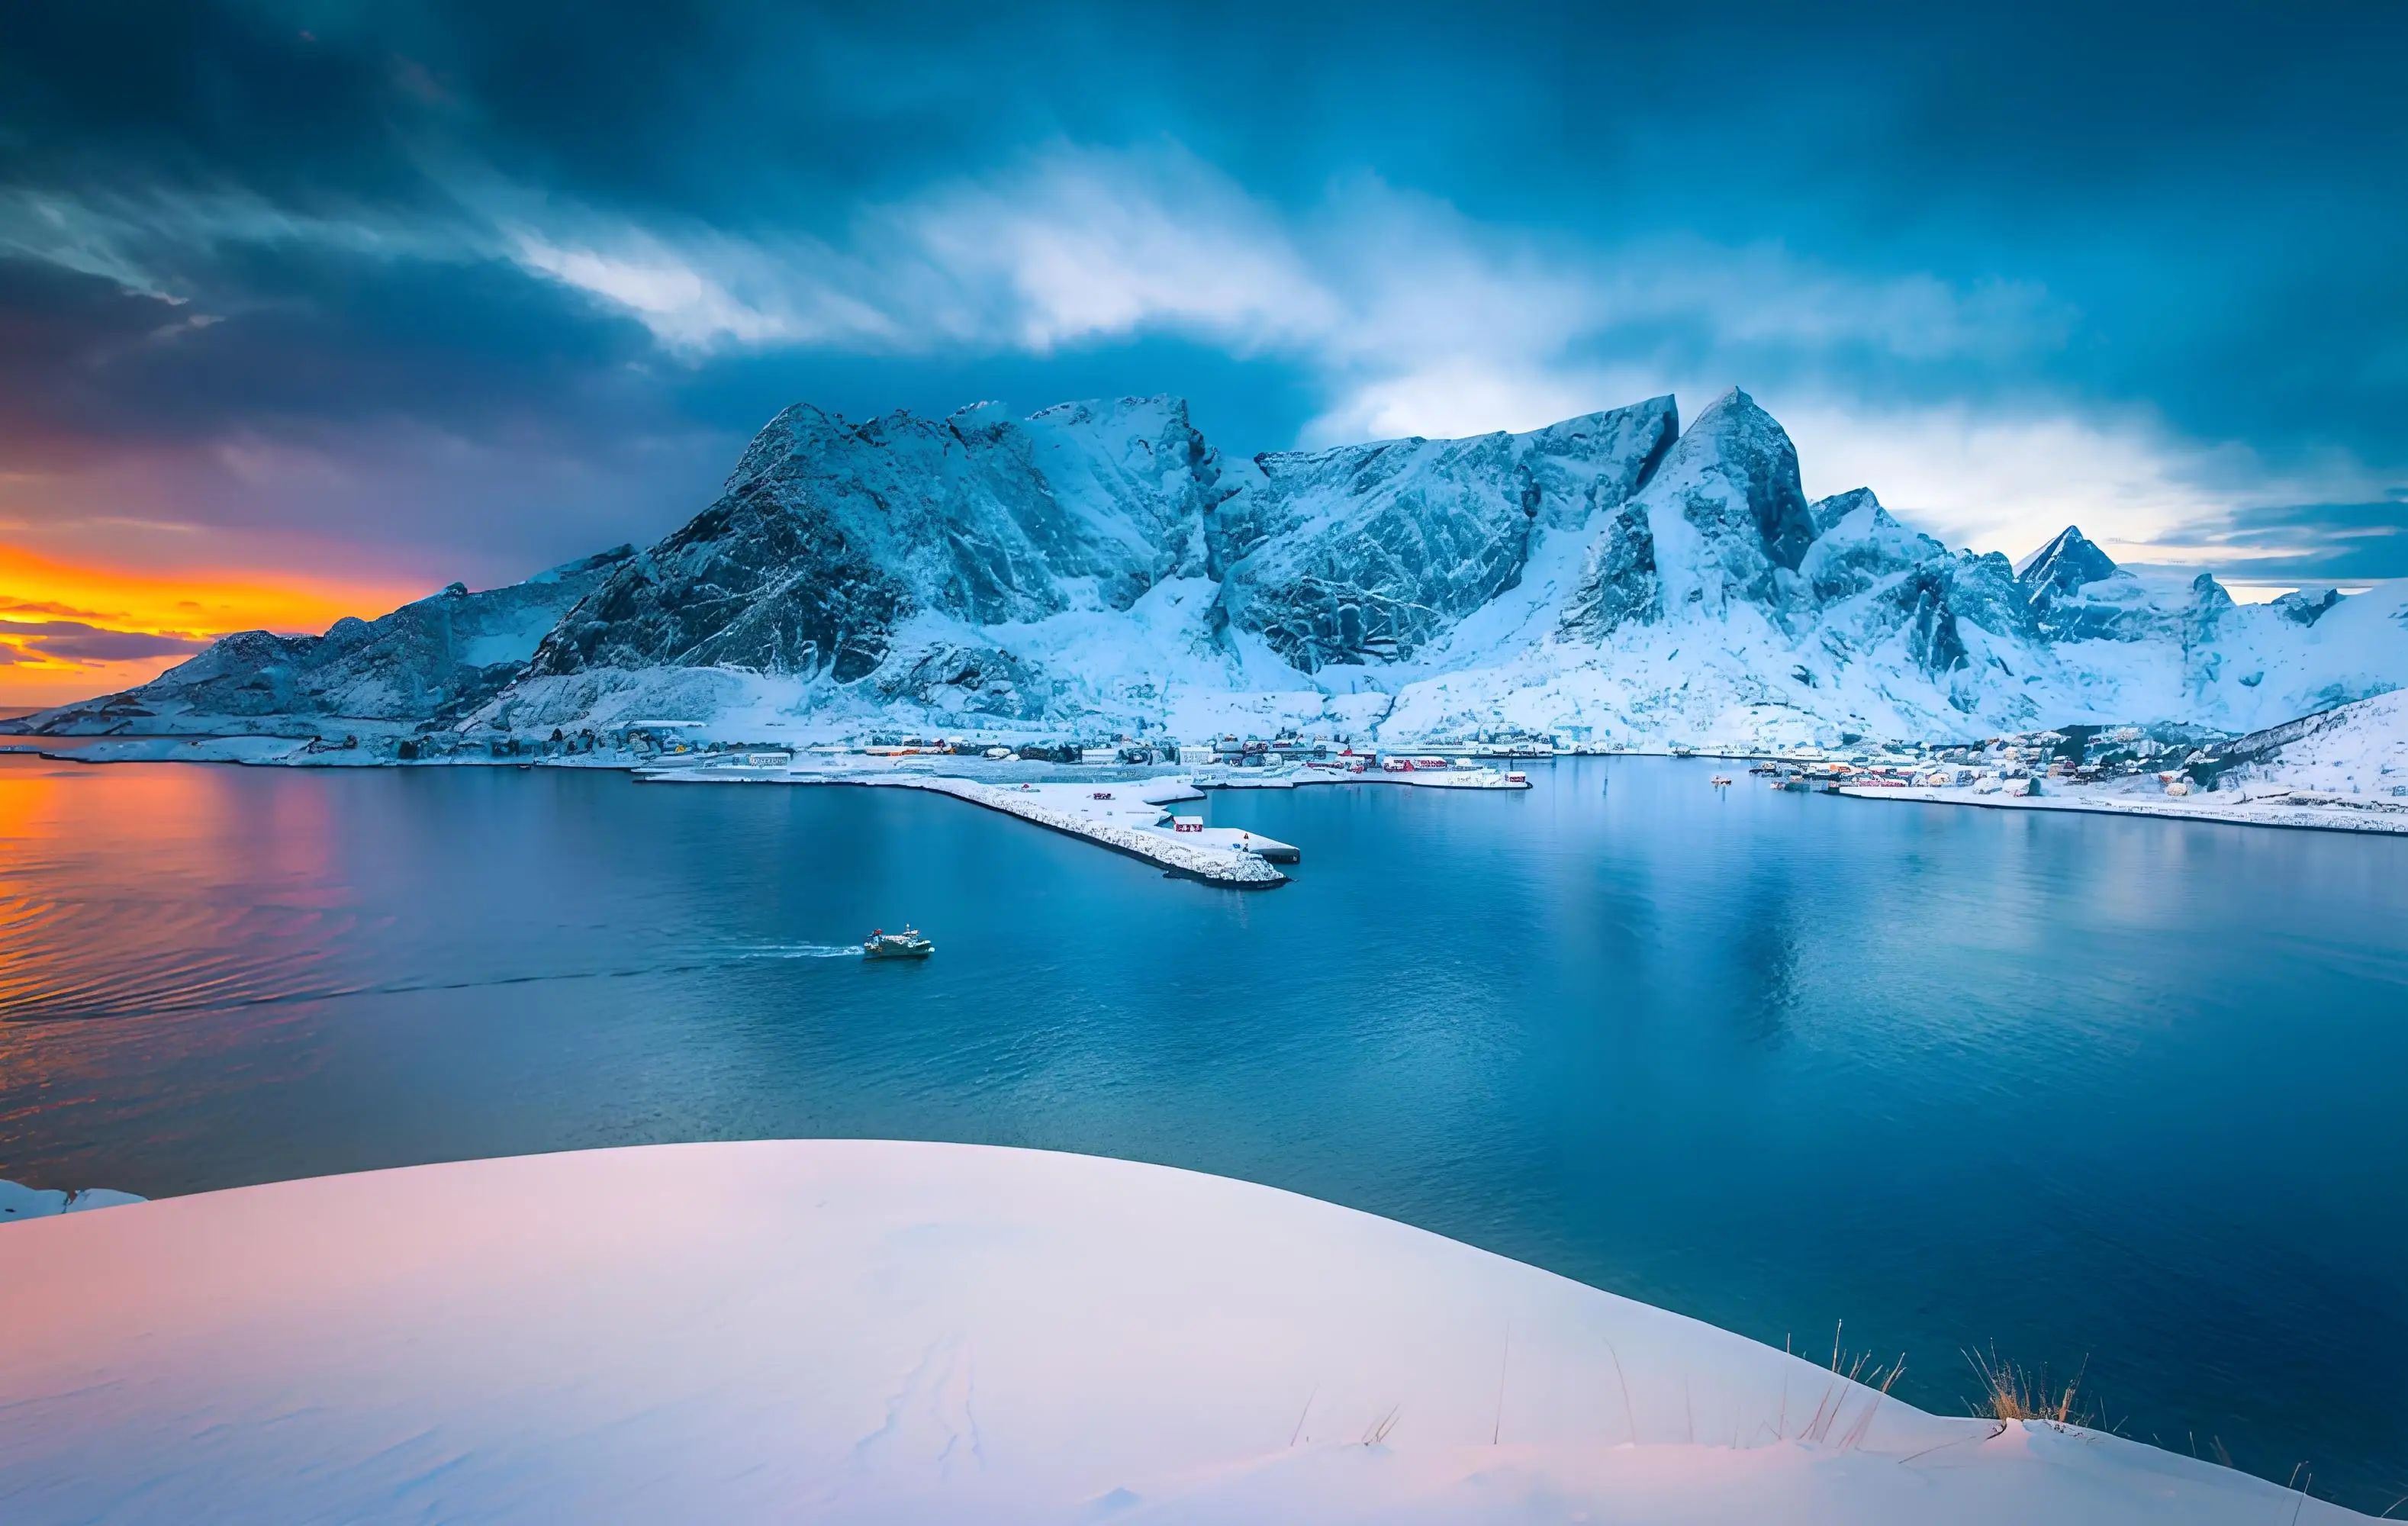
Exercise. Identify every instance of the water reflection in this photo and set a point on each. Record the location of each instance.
(2077, 1086)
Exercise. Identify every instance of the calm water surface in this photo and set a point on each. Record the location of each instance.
(2082, 1088)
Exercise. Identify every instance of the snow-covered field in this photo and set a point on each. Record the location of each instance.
(857, 1331)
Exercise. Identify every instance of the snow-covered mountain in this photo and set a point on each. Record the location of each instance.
(428, 661)
(1100, 567)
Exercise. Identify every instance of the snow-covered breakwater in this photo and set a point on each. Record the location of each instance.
(1099, 817)
(1455, 778)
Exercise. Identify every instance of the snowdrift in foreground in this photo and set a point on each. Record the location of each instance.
(862, 1331)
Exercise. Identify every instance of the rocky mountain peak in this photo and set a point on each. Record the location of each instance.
(1827, 513)
(1724, 517)
(2064, 565)
(1740, 442)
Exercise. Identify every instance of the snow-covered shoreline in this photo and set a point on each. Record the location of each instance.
(22, 1204)
(2275, 809)
(875, 1330)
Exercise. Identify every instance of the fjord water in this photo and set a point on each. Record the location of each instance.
(2088, 1090)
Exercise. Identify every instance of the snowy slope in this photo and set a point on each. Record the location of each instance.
(1098, 568)
(864, 1331)
(2360, 749)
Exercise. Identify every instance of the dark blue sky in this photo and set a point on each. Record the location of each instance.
(441, 291)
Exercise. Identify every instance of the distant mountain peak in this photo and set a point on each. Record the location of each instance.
(1828, 512)
(2064, 565)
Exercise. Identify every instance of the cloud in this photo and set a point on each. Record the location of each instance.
(72, 640)
(1411, 317)
(1405, 314)
(39, 605)
(2008, 477)
(148, 242)
(1080, 244)
(1370, 287)
(1071, 247)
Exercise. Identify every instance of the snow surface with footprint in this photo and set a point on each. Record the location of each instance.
(860, 1330)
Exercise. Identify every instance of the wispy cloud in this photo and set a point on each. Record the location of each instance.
(1415, 316)
(1069, 248)
(2006, 476)
(144, 242)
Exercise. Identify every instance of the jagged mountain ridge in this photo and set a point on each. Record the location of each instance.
(1611, 576)
(1100, 566)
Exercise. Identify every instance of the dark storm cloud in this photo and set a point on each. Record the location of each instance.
(327, 226)
(288, 336)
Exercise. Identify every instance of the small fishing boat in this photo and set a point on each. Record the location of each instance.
(906, 944)
(1720, 781)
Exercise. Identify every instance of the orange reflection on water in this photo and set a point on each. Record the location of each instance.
(138, 887)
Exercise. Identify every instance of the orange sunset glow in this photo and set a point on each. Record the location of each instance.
(56, 620)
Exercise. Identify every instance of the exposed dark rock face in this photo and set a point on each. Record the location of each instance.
(2306, 606)
(1619, 585)
(755, 582)
(970, 681)
(2063, 566)
(1827, 513)
(1723, 518)
(830, 534)
(2075, 593)
(1373, 552)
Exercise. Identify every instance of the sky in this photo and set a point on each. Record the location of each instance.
(307, 310)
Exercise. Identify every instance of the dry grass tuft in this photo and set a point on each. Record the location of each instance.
(1850, 1370)
(2010, 1392)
